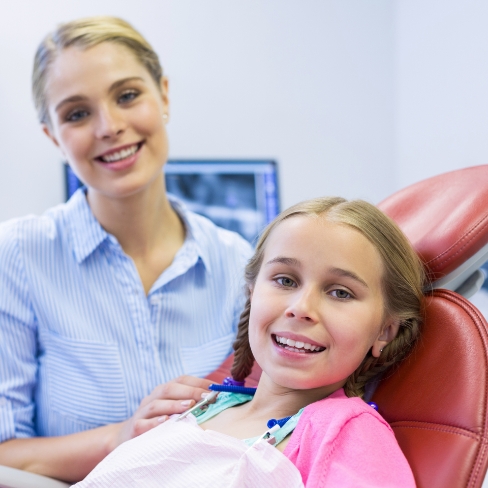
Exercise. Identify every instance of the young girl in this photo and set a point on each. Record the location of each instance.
(334, 299)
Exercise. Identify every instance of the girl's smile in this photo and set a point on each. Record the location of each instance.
(317, 305)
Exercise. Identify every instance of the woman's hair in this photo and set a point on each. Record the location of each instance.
(402, 283)
(87, 33)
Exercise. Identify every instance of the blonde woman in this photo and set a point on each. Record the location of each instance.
(107, 298)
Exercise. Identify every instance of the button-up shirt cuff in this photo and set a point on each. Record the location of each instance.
(7, 424)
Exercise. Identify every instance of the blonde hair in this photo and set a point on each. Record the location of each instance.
(402, 283)
(85, 33)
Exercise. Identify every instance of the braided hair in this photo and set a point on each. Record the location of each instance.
(402, 284)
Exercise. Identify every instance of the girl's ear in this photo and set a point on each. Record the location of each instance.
(388, 333)
(251, 289)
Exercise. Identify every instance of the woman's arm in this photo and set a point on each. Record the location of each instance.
(71, 457)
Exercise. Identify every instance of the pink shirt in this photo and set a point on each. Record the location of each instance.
(343, 442)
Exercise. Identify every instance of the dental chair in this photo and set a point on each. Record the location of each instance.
(436, 401)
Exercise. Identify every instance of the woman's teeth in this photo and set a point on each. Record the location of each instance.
(292, 345)
(117, 156)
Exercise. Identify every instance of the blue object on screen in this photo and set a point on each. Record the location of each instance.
(239, 195)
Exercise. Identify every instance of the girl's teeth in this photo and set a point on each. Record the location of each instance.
(297, 344)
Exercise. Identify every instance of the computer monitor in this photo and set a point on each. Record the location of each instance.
(239, 195)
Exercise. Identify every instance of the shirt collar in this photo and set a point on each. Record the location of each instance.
(87, 234)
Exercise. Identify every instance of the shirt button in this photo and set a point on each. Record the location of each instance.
(155, 300)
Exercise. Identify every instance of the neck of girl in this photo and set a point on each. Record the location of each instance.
(274, 401)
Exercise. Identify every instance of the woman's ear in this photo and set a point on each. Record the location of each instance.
(163, 85)
(387, 334)
(250, 292)
(47, 131)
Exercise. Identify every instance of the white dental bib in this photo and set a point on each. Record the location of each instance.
(181, 455)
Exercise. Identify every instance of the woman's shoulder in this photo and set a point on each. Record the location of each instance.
(34, 230)
(209, 235)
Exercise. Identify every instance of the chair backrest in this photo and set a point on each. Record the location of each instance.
(437, 399)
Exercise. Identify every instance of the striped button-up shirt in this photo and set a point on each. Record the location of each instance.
(80, 342)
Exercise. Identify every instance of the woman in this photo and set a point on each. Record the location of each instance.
(119, 290)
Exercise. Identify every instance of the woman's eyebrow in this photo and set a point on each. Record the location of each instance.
(348, 274)
(284, 260)
(113, 86)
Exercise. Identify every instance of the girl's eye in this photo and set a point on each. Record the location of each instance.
(286, 282)
(128, 96)
(76, 115)
(342, 294)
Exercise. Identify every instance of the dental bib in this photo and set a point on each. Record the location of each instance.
(181, 454)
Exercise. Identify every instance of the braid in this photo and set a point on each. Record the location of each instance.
(393, 352)
(243, 357)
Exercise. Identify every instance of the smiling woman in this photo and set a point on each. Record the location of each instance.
(103, 297)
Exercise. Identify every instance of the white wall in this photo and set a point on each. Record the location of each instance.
(308, 82)
(442, 87)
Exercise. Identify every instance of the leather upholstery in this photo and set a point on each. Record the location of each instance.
(436, 401)
(445, 217)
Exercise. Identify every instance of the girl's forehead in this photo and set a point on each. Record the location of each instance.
(322, 243)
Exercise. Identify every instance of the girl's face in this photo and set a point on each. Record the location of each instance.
(107, 117)
(317, 305)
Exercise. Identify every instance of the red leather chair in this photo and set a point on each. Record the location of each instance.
(436, 401)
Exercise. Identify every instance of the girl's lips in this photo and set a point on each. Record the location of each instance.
(298, 337)
(289, 346)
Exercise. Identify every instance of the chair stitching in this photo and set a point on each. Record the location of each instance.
(457, 243)
(450, 429)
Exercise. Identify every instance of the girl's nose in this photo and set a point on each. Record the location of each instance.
(110, 123)
(303, 307)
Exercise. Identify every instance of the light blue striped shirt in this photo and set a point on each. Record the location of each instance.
(80, 342)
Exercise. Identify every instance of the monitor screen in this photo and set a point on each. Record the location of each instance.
(239, 195)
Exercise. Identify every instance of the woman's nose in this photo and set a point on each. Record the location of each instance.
(303, 307)
(110, 123)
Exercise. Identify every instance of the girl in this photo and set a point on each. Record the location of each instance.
(334, 299)
(121, 289)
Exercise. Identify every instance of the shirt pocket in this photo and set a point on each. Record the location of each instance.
(85, 380)
(205, 358)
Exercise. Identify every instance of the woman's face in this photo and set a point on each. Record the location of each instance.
(108, 118)
(317, 304)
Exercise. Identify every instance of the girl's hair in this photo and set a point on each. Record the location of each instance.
(402, 283)
(87, 33)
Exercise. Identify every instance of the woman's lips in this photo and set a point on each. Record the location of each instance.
(119, 153)
(120, 158)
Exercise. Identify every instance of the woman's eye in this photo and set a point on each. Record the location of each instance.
(128, 96)
(342, 294)
(76, 115)
(286, 282)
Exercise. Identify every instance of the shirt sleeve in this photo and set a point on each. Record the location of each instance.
(365, 453)
(18, 342)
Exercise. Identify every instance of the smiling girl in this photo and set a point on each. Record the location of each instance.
(106, 299)
(334, 300)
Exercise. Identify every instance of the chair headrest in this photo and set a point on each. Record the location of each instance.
(446, 219)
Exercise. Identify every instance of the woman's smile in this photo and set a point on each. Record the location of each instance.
(108, 118)
(120, 158)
